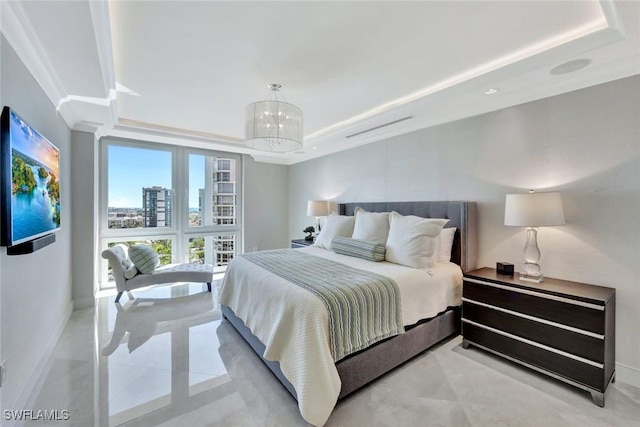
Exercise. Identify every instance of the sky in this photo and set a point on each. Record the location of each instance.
(28, 141)
(131, 169)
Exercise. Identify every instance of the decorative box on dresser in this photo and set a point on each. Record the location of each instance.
(560, 328)
(301, 243)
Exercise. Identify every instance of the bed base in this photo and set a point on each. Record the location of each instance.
(361, 368)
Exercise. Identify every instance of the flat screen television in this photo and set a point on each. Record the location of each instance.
(29, 182)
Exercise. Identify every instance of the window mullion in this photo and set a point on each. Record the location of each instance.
(179, 183)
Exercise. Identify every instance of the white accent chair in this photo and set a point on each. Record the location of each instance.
(118, 257)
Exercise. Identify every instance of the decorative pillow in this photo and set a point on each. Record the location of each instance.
(412, 240)
(144, 258)
(131, 272)
(370, 251)
(445, 243)
(371, 226)
(336, 226)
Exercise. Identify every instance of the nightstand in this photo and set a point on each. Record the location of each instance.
(301, 243)
(560, 328)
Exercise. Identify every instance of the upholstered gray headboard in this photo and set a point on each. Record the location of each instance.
(461, 215)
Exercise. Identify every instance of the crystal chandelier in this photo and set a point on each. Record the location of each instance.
(273, 125)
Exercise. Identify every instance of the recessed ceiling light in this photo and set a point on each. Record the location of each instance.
(315, 148)
(491, 91)
(570, 66)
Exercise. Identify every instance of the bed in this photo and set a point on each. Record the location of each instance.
(319, 384)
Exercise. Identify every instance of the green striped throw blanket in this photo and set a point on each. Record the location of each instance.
(363, 307)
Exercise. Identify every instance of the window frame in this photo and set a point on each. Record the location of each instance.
(180, 231)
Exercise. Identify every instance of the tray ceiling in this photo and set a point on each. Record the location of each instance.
(183, 72)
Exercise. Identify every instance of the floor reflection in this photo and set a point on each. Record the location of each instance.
(156, 356)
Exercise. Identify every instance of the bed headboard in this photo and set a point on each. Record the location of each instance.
(461, 215)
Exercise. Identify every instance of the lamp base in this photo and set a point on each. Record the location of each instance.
(531, 278)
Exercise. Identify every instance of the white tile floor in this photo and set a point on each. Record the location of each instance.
(167, 359)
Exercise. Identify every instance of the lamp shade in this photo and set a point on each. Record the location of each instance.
(273, 125)
(533, 210)
(317, 208)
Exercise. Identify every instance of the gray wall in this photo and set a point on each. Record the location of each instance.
(585, 144)
(35, 288)
(266, 205)
(84, 189)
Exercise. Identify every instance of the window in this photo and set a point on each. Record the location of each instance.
(224, 188)
(139, 187)
(224, 165)
(224, 200)
(144, 187)
(216, 249)
(222, 177)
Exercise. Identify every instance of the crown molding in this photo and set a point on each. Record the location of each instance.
(74, 109)
(97, 129)
(102, 32)
(126, 130)
(612, 15)
(131, 131)
(21, 35)
(275, 159)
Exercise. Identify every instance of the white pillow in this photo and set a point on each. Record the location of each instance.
(336, 226)
(445, 243)
(371, 226)
(412, 240)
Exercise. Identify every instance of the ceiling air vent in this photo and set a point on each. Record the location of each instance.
(379, 127)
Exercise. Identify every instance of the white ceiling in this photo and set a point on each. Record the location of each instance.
(186, 70)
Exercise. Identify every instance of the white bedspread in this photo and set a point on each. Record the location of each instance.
(292, 323)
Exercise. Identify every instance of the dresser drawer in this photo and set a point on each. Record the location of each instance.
(576, 314)
(566, 367)
(580, 343)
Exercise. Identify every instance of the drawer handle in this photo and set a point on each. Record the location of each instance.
(536, 294)
(535, 344)
(536, 319)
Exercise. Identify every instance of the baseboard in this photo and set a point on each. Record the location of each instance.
(35, 378)
(80, 303)
(628, 375)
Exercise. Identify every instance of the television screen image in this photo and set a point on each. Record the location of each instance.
(32, 209)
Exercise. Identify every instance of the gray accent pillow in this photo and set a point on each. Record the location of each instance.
(370, 251)
(144, 258)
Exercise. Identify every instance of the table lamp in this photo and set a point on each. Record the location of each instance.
(317, 208)
(533, 210)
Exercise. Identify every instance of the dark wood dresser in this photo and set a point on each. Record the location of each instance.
(560, 328)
